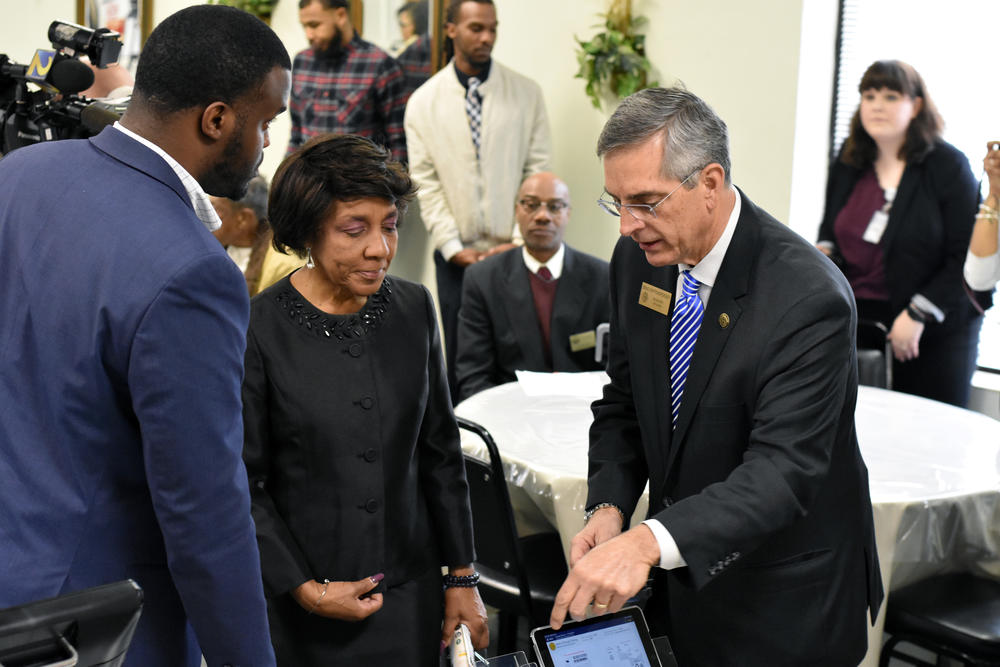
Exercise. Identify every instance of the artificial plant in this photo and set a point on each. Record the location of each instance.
(614, 61)
(259, 8)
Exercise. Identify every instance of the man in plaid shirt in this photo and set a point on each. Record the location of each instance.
(344, 84)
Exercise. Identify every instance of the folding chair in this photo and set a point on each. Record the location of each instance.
(519, 576)
(952, 615)
(874, 355)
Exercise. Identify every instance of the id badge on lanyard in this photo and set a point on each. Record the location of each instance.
(880, 219)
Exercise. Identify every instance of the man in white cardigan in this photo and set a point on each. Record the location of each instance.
(473, 132)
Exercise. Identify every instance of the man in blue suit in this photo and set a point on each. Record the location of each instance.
(122, 347)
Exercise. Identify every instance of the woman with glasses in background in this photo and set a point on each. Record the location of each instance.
(900, 204)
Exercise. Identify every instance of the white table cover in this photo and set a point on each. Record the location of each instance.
(934, 473)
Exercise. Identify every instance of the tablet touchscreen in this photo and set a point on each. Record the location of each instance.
(620, 639)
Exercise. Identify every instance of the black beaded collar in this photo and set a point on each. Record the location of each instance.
(337, 327)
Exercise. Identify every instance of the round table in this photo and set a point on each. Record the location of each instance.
(934, 472)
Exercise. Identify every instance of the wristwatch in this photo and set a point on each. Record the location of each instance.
(599, 506)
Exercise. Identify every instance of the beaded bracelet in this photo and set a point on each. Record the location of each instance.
(326, 584)
(460, 581)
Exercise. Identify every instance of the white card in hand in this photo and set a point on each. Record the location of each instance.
(876, 227)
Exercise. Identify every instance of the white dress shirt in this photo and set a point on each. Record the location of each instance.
(555, 263)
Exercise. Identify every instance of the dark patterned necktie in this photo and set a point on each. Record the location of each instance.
(474, 110)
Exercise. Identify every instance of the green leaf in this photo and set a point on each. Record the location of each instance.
(613, 60)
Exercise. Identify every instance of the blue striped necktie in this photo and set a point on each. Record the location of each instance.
(683, 335)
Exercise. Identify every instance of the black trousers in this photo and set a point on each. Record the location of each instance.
(948, 351)
(449, 291)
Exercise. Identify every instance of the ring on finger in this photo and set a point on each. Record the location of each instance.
(600, 605)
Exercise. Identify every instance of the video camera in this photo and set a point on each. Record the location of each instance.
(55, 111)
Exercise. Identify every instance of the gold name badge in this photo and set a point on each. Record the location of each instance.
(586, 340)
(655, 298)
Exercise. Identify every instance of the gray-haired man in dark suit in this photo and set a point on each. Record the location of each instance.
(760, 531)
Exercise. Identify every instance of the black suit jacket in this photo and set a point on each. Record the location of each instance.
(762, 484)
(498, 329)
(927, 235)
(351, 445)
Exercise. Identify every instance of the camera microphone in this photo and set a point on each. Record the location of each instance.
(70, 76)
(51, 70)
(97, 115)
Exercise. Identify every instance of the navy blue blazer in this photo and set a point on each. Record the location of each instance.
(761, 484)
(498, 331)
(121, 357)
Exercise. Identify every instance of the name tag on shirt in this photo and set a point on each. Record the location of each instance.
(655, 298)
(585, 340)
(876, 227)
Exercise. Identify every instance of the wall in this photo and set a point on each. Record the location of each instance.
(722, 56)
(25, 25)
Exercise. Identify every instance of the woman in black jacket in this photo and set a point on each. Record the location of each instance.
(900, 205)
(357, 480)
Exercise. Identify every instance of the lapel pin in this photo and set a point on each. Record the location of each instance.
(724, 320)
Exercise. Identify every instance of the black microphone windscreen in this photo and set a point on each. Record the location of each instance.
(96, 115)
(70, 76)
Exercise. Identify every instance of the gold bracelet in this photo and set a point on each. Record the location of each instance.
(326, 584)
(991, 217)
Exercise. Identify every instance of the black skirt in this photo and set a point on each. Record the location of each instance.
(405, 631)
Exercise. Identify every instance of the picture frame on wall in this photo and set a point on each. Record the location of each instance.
(133, 19)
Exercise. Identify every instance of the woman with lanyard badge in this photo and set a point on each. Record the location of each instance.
(900, 206)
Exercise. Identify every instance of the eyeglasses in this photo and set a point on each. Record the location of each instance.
(555, 206)
(641, 212)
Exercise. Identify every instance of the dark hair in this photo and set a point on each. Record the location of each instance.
(328, 169)
(418, 14)
(205, 54)
(256, 200)
(451, 16)
(860, 150)
(451, 11)
(327, 4)
(694, 135)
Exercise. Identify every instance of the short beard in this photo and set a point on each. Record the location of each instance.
(335, 49)
(228, 178)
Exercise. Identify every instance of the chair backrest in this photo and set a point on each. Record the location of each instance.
(602, 338)
(874, 355)
(497, 548)
(85, 628)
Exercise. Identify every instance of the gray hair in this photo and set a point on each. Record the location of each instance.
(694, 135)
(256, 199)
